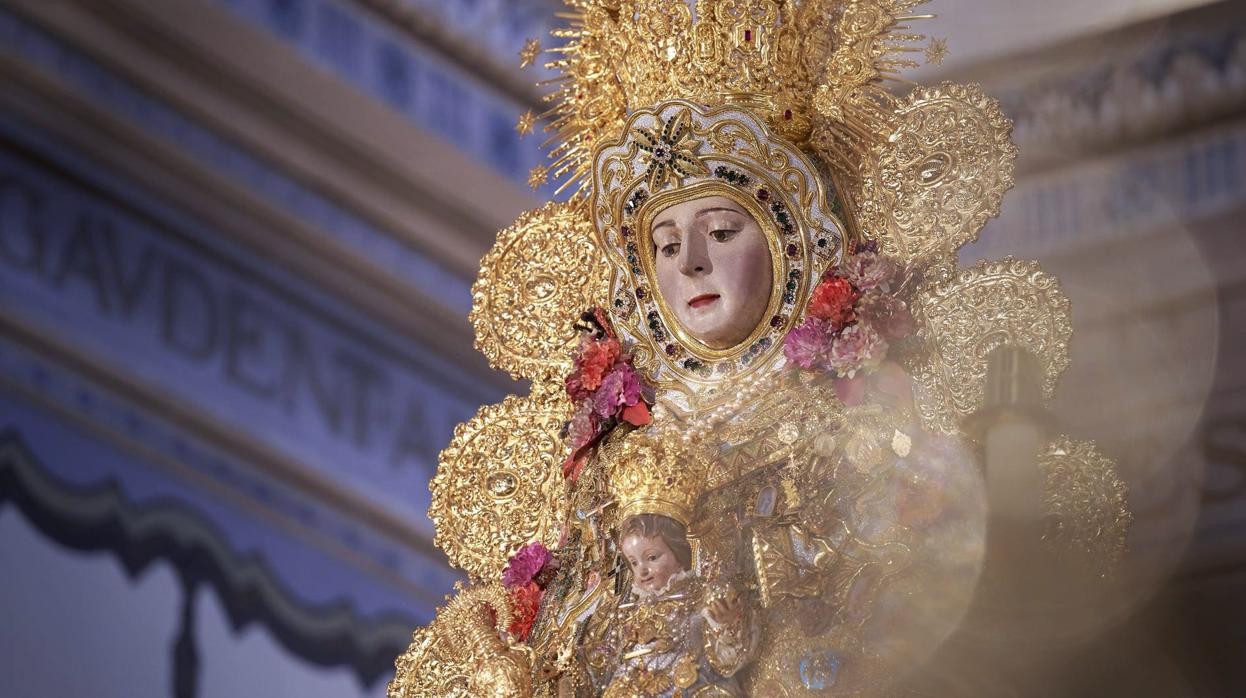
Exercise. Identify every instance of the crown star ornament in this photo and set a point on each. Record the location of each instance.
(526, 122)
(531, 49)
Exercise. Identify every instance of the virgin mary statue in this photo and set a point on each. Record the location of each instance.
(745, 465)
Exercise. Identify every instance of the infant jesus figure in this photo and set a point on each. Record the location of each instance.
(674, 634)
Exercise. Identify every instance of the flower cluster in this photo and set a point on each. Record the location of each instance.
(605, 388)
(526, 575)
(852, 316)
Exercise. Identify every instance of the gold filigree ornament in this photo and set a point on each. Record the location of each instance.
(498, 484)
(1087, 505)
(678, 151)
(942, 171)
(961, 319)
(542, 272)
(461, 654)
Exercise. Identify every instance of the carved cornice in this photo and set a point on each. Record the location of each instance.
(1166, 91)
(1121, 88)
(477, 58)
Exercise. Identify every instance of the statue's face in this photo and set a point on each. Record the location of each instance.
(713, 268)
(651, 560)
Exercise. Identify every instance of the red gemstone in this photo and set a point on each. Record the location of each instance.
(787, 114)
(792, 250)
(776, 321)
(627, 232)
(763, 195)
(748, 34)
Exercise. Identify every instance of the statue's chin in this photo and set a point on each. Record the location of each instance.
(716, 333)
(723, 339)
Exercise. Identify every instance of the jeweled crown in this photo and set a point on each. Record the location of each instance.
(812, 69)
(656, 476)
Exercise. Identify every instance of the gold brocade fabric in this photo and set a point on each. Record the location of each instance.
(842, 525)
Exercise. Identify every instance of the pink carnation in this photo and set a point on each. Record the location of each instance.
(575, 387)
(888, 314)
(620, 388)
(867, 270)
(583, 426)
(525, 564)
(806, 345)
(858, 347)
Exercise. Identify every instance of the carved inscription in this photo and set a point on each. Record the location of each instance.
(214, 332)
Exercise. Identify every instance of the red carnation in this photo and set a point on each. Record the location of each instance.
(833, 300)
(597, 356)
(525, 601)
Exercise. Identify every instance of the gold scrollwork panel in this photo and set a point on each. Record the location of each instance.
(961, 319)
(498, 484)
(428, 668)
(542, 272)
(939, 175)
(461, 653)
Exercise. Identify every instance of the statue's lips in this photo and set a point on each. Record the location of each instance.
(703, 300)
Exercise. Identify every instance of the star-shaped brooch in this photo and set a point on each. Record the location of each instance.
(672, 152)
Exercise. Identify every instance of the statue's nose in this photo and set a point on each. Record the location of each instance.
(693, 257)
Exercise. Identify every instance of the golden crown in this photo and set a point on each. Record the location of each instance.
(814, 70)
(656, 476)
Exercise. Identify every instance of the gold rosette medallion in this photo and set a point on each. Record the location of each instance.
(941, 173)
(542, 272)
(498, 483)
(1087, 503)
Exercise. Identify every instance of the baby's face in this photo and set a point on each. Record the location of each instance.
(651, 560)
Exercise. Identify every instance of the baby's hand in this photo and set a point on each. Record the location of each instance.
(726, 608)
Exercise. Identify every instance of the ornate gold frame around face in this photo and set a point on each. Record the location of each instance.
(648, 263)
(732, 148)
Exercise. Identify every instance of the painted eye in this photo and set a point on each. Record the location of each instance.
(722, 235)
(670, 249)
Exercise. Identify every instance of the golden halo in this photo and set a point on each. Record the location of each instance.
(961, 320)
(1087, 502)
(939, 175)
(542, 272)
(498, 484)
